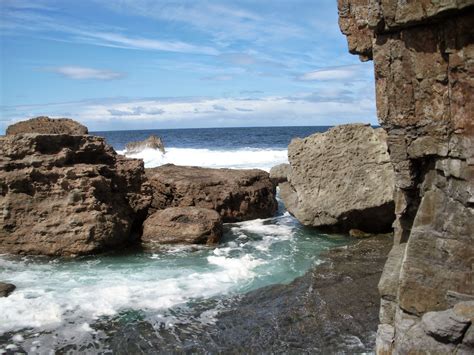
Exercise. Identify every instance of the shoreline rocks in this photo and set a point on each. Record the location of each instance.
(341, 179)
(6, 289)
(182, 225)
(152, 142)
(279, 173)
(46, 125)
(68, 195)
(237, 195)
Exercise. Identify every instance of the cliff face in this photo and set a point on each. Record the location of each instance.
(423, 53)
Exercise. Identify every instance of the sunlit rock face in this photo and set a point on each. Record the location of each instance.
(68, 195)
(423, 53)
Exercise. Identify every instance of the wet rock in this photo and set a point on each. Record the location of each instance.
(341, 179)
(46, 125)
(68, 195)
(279, 173)
(357, 233)
(152, 142)
(6, 289)
(237, 195)
(182, 225)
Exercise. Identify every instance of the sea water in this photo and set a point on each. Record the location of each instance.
(59, 301)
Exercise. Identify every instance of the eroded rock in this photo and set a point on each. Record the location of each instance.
(279, 173)
(182, 225)
(46, 125)
(152, 142)
(237, 195)
(341, 179)
(6, 289)
(67, 195)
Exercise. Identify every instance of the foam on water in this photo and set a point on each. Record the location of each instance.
(248, 158)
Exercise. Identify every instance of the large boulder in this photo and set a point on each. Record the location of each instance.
(152, 142)
(182, 225)
(6, 289)
(237, 195)
(341, 179)
(46, 125)
(67, 195)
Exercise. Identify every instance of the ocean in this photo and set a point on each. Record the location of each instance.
(64, 303)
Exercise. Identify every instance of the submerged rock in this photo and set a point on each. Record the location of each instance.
(6, 289)
(237, 195)
(152, 142)
(67, 195)
(279, 173)
(46, 125)
(341, 179)
(182, 225)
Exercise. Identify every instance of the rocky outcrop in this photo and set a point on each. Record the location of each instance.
(152, 142)
(182, 225)
(46, 125)
(279, 173)
(6, 289)
(423, 53)
(237, 195)
(67, 195)
(341, 179)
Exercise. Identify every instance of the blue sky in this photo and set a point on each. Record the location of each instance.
(139, 64)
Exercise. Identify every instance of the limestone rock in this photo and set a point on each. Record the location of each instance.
(341, 179)
(423, 53)
(46, 125)
(445, 326)
(279, 173)
(67, 195)
(6, 289)
(152, 142)
(237, 195)
(182, 225)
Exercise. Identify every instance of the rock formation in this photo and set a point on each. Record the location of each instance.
(279, 173)
(423, 53)
(152, 142)
(67, 195)
(183, 225)
(6, 289)
(46, 125)
(341, 179)
(237, 195)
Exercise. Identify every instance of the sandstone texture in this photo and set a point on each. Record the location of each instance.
(423, 53)
(152, 142)
(237, 195)
(68, 195)
(279, 173)
(341, 179)
(182, 225)
(46, 125)
(6, 289)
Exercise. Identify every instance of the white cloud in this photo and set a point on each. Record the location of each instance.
(218, 77)
(333, 73)
(83, 73)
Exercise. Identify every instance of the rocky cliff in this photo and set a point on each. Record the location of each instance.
(423, 53)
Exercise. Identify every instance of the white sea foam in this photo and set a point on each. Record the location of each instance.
(249, 158)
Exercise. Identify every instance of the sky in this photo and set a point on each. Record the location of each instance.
(150, 64)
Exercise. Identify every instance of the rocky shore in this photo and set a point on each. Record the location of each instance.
(332, 308)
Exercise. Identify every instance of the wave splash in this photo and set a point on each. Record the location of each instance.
(247, 158)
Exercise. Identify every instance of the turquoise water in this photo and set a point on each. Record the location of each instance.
(59, 302)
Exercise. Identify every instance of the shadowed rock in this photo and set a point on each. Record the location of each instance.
(46, 125)
(6, 289)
